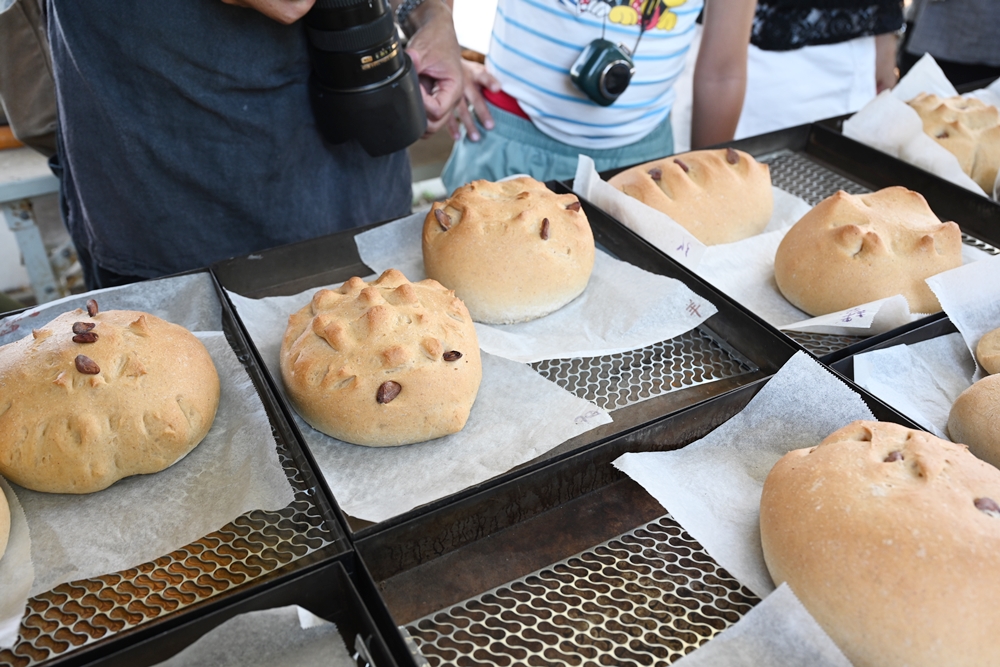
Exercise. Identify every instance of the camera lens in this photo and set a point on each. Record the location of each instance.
(615, 78)
(353, 43)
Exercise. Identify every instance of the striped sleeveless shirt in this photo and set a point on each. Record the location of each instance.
(535, 42)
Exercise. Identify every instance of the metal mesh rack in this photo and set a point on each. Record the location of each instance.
(647, 597)
(616, 381)
(81, 612)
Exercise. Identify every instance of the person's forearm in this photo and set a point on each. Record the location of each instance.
(720, 74)
(886, 74)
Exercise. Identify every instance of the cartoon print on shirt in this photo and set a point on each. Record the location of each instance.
(628, 12)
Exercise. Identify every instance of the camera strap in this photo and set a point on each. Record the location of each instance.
(648, 10)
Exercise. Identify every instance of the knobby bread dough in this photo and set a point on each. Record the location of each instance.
(967, 128)
(383, 363)
(513, 251)
(974, 419)
(890, 537)
(720, 196)
(988, 351)
(853, 249)
(144, 396)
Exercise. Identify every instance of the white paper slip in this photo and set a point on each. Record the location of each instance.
(623, 308)
(267, 638)
(16, 570)
(778, 632)
(921, 380)
(518, 415)
(712, 487)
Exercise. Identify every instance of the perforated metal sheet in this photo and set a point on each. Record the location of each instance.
(619, 380)
(81, 612)
(647, 597)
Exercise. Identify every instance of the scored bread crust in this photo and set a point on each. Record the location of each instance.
(719, 198)
(988, 351)
(889, 552)
(853, 249)
(66, 431)
(967, 128)
(512, 250)
(974, 419)
(340, 349)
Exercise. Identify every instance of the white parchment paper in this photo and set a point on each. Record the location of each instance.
(234, 470)
(518, 415)
(16, 570)
(267, 638)
(623, 308)
(971, 296)
(890, 125)
(713, 486)
(778, 632)
(921, 380)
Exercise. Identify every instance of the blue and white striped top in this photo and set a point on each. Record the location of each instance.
(535, 42)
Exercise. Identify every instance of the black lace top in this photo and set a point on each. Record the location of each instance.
(781, 25)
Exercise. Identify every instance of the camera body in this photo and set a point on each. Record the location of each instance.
(603, 71)
(363, 86)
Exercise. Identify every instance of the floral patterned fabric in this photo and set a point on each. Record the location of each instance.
(784, 25)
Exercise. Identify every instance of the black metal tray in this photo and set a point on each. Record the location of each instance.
(572, 563)
(80, 621)
(931, 327)
(814, 161)
(327, 591)
(729, 350)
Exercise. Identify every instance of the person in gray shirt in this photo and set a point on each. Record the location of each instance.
(962, 35)
(186, 135)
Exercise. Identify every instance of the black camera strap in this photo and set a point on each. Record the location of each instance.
(647, 14)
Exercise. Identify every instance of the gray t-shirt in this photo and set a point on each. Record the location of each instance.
(187, 137)
(962, 31)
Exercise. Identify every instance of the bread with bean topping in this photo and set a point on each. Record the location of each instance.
(974, 419)
(720, 196)
(988, 351)
(513, 251)
(890, 537)
(91, 398)
(967, 128)
(384, 363)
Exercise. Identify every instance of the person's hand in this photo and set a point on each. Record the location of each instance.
(475, 79)
(282, 11)
(886, 74)
(438, 61)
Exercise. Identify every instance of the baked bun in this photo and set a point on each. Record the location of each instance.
(968, 129)
(853, 249)
(383, 363)
(974, 419)
(720, 196)
(76, 416)
(513, 251)
(890, 537)
(988, 351)
(4, 522)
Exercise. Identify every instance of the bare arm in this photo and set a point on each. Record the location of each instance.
(437, 58)
(720, 74)
(886, 74)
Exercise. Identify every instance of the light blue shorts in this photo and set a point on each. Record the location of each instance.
(516, 146)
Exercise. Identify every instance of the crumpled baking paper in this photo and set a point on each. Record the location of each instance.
(713, 486)
(234, 470)
(623, 308)
(518, 415)
(267, 638)
(16, 570)
(778, 632)
(890, 125)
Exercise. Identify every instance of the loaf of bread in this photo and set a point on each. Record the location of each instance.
(890, 537)
(967, 128)
(988, 351)
(513, 251)
(4, 523)
(974, 419)
(383, 363)
(720, 196)
(853, 249)
(93, 397)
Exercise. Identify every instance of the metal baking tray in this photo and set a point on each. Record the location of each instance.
(931, 327)
(731, 349)
(327, 591)
(79, 621)
(814, 161)
(569, 564)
